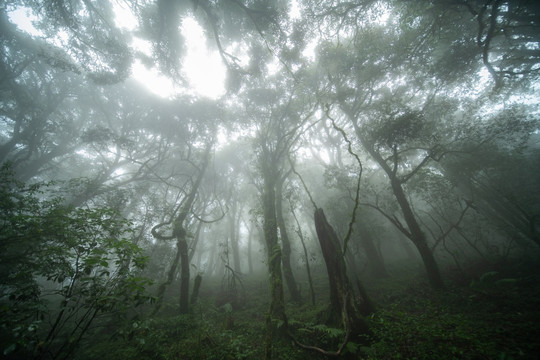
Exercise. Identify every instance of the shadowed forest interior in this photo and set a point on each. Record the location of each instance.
(256, 179)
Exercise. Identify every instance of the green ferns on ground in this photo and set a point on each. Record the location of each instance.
(488, 319)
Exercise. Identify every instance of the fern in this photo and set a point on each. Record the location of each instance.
(329, 331)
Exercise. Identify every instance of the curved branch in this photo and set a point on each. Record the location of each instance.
(211, 221)
(158, 235)
(303, 183)
(225, 56)
(487, 41)
(393, 220)
(357, 196)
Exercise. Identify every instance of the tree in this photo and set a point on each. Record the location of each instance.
(285, 241)
(387, 117)
(342, 305)
(79, 37)
(487, 177)
(279, 118)
(62, 270)
(503, 33)
(179, 233)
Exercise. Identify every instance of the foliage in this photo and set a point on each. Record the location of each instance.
(62, 268)
(491, 319)
(496, 321)
(438, 99)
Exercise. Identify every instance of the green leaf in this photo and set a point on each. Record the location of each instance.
(352, 347)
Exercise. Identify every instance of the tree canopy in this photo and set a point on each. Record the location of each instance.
(386, 129)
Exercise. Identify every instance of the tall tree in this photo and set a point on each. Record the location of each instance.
(285, 241)
(177, 221)
(279, 119)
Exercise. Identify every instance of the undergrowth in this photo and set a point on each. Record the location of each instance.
(494, 315)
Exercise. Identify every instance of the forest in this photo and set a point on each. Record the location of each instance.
(357, 179)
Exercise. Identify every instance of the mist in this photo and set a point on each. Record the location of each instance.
(269, 180)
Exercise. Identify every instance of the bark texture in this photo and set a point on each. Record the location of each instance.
(286, 246)
(342, 306)
(276, 321)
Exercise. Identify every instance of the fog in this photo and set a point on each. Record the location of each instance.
(278, 180)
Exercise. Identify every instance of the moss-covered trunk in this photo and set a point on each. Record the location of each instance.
(276, 319)
(277, 305)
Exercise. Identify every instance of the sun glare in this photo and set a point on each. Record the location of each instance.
(153, 80)
(202, 67)
(24, 19)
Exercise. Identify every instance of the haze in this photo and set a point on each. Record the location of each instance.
(269, 180)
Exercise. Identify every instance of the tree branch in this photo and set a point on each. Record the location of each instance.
(357, 196)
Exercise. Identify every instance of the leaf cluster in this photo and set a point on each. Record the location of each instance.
(61, 268)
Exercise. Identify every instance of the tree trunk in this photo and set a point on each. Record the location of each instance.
(168, 281)
(276, 321)
(184, 270)
(417, 236)
(375, 261)
(195, 242)
(342, 306)
(233, 235)
(212, 261)
(306, 256)
(196, 287)
(277, 305)
(179, 233)
(249, 255)
(415, 233)
(285, 245)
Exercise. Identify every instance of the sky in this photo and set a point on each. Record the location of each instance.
(202, 67)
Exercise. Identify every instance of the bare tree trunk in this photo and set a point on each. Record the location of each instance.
(342, 306)
(211, 267)
(249, 255)
(199, 258)
(418, 237)
(196, 287)
(170, 277)
(184, 270)
(195, 242)
(285, 244)
(306, 256)
(234, 238)
(414, 232)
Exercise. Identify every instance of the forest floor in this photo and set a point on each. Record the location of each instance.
(489, 313)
